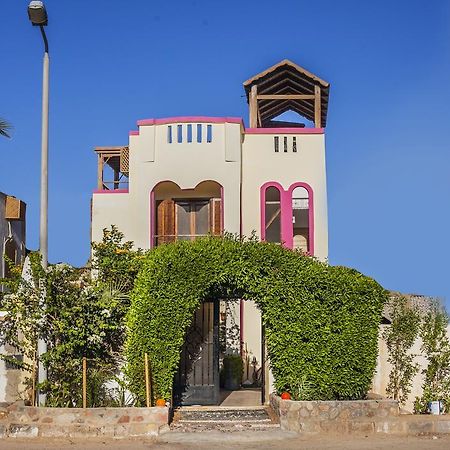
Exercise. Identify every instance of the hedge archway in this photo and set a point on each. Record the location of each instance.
(321, 321)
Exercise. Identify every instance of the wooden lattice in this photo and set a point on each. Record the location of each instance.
(15, 209)
(125, 160)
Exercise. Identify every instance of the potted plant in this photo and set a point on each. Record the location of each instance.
(233, 369)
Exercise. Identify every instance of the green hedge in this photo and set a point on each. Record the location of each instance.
(321, 322)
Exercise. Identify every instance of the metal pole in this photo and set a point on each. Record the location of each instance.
(84, 382)
(43, 224)
(147, 382)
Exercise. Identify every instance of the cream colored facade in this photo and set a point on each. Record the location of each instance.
(381, 377)
(240, 163)
(269, 179)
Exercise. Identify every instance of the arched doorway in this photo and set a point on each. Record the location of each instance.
(321, 322)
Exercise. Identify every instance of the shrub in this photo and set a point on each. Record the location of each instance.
(436, 349)
(400, 337)
(321, 322)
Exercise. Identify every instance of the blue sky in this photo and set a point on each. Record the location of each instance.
(114, 62)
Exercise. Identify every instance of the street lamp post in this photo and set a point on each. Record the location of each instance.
(38, 17)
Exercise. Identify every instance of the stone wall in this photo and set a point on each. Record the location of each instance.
(17, 420)
(332, 416)
(362, 416)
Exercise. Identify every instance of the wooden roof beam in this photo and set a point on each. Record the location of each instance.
(285, 97)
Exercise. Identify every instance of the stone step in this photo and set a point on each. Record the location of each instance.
(204, 419)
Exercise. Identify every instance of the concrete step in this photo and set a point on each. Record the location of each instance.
(208, 419)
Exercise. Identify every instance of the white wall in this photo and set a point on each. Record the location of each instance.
(381, 378)
(260, 164)
(153, 160)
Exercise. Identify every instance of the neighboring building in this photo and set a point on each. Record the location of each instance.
(12, 232)
(12, 245)
(184, 177)
(383, 369)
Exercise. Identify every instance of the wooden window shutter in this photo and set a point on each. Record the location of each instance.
(165, 219)
(216, 216)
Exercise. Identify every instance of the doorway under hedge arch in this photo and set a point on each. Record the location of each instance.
(321, 322)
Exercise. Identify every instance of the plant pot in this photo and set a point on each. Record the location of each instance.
(232, 372)
(435, 407)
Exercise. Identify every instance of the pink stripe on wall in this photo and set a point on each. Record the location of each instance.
(190, 119)
(286, 212)
(284, 130)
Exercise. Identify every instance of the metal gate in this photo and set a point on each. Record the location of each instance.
(197, 379)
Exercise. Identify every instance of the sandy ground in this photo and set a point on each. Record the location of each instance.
(243, 441)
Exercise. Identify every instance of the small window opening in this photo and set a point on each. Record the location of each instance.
(180, 133)
(169, 134)
(189, 132)
(199, 133)
(285, 144)
(294, 144)
(276, 143)
(209, 133)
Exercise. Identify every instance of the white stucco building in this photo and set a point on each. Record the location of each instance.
(183, 177)
(12, 245)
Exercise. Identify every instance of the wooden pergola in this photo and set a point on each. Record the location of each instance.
(117, 158)
(286, 87)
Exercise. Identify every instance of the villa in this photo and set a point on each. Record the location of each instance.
(185, 177)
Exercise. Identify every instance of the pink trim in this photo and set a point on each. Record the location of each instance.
(190, 119)
(133, 133)
(284, 130)
(290, 241)
(286, 212)
(152, 217)
(222, 208)
(111, 191)
(152, 221)
(262, 199)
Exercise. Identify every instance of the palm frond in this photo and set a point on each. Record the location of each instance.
(4, 128)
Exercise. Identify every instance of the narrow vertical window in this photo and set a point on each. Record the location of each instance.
(208, 133)
(294, 144)
(273, 215)
(189, 132)
(199, 133)
(169, 134)
(276, 144)
(285, 144)
(180, 134)
(300, 219)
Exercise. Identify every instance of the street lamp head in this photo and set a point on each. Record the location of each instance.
(37, 13)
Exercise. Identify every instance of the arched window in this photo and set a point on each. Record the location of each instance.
(272, 219)
(185, 214)
(300, 220)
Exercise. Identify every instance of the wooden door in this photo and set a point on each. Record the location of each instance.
(197, 379)
(187, 219)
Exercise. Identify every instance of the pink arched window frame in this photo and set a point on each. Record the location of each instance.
(287, 212)
(152, 209)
